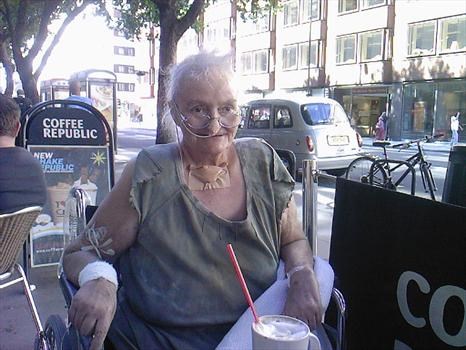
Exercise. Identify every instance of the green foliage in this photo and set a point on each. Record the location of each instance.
(133, 16)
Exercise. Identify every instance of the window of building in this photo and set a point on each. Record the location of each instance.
(372, 3)
(310, 9)
(304, 55)
(421, 39)
(123, 51)
(290, 57)
(347, 5)
(255, 62)
(246, 62)
(282, 118)
(453, 34)
(371, 46)
(259, 117)
(290, 13)
(346, 49)
(261, 61)
(254, 26)
(123, 68)
(218, 31)
(125, 87)
(418, 110)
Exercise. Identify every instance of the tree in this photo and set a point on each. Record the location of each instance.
(173, 17)
(25, 28)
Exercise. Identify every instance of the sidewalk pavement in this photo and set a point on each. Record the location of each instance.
(437, 146)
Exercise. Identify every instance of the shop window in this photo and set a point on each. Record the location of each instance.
(310, 9)
(282, 118)
(418, 110)
(371, 46)
(259, 118)
(290, 13)
(372, 3)
(304, 55)
(421, 39)
(346, 49)
(453, 34)
(290, 57)
(347, 5)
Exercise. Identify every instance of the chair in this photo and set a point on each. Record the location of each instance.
(14, 230)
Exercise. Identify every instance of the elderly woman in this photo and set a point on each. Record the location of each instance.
(168, 221)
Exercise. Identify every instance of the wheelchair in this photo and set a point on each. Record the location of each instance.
(334, 324)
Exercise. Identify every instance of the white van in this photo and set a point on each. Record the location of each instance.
(310, 127)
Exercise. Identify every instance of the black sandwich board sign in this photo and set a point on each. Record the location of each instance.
(399, 261)
(74, 144)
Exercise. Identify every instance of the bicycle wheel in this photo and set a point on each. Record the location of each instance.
(428, 180)
(359, 170)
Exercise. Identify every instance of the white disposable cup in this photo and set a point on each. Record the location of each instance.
(58, 195)
(279, 332)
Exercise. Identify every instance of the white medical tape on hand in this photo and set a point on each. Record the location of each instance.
(98, 269)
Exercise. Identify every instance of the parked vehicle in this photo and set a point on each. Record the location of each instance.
(310, 127)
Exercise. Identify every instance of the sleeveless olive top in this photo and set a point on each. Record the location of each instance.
(178, 272)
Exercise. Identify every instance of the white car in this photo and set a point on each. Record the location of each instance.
(310, 127)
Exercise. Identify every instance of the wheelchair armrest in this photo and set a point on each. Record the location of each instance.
(339, 301)
(76, 341)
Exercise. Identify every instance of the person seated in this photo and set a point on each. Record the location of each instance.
(22, 181)
(169, 219)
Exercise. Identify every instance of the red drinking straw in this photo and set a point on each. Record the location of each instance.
(242, 282)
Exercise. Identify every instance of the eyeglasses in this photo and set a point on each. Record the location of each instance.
(199, 118)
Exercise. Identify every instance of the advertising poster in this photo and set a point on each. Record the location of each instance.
(102, 99)
(65, 167)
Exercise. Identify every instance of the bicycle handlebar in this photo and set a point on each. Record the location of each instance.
(424, 139)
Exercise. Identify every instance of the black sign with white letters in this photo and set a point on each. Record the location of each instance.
(70, 125)
(400, 264)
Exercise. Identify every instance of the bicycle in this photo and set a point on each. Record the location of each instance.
(380, 171)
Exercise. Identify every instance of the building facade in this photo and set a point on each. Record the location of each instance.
(405, 58)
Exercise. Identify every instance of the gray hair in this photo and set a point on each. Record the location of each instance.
(204, 65)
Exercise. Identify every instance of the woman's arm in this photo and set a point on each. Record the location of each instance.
(303, 299)
(112, 229)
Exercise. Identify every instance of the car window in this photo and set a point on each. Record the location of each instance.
(259, 117)
(244, 115)
(282, 118)
(323, 113)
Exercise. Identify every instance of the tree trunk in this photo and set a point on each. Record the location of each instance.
(9, 69)
(166, 129)
(29, 82)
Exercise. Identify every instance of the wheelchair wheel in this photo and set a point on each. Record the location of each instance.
(55, 330)
(359, 170)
